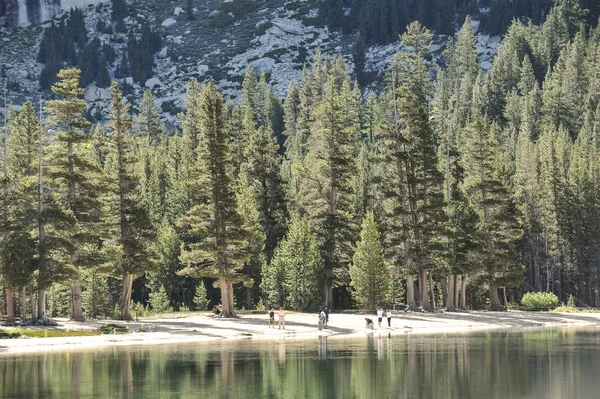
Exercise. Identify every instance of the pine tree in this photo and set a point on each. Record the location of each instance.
(248, 209)
(293, 277)
(326, 175)
(135, 233)
(413, 190)
(219, 238)
(410, 68)
(149, 123)
(359, 58)
(262, 167)
(76, 177)
(499, 227)
(369, 273)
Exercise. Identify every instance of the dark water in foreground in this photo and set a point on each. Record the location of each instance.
(550, 363)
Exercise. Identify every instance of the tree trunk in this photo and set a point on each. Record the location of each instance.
(432, 291)
(226, 297)
(450, 295)
(127, 280)
(76, 302)
(32, 302)
(10, 305)
(463, 291)
(23, 304)
(457, 279)
(41, 306)
(495, 304)
(444, 288)
(329, 289)
(505, 300)
(410, 292)
(423, 291)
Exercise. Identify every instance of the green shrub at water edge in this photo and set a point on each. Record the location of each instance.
(571, 302)
(539, 300)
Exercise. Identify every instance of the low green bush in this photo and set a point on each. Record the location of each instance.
(113, 329)
(539, 301)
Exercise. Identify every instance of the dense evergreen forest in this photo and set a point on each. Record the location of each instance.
(459, 191)
(380, 21)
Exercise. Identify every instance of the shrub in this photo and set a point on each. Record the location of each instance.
(571, 302)
(539, 300)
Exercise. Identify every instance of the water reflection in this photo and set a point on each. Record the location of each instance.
(555, 363)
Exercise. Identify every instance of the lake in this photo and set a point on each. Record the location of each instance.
(526, 363)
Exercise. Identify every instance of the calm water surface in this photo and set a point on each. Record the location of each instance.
(549, 363)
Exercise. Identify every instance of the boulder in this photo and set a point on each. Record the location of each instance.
(485, 65)
(163, 52)
(168, 22)
(153, 82)
(177, 11)
(264, 64)
(213, 13)
(434, 48)
(288, 28)
(129, 81)
(475, 25)
(94, 93)
(202, 69)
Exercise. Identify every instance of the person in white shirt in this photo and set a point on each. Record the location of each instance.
(379, 316)
(388, 314)
(281, 315)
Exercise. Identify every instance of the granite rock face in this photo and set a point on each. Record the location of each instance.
(23, 12)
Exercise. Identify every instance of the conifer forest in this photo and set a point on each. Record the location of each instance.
(444, 188)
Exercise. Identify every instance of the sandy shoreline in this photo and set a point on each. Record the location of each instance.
(203, 327)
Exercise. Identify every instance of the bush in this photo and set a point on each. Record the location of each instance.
(571, 302)
(539, 300)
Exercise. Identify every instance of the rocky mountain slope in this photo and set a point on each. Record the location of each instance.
(276, 37)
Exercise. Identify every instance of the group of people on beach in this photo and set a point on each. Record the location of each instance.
(388, 315)
(324, 318)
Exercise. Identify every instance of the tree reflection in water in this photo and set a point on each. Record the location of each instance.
(552, 363)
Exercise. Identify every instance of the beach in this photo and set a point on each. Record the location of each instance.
(203, 326)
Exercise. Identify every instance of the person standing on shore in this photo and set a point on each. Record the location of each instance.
(388, 314)
(326, 316)
(272, 318)
(281, 315)
(379, 316)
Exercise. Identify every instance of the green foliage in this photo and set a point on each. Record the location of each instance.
(36, 333)
(200, 299)
(359, 58)
(112, 328)
(571, 302)
(539, 300)
(159, 301)
(369, 273)
(294, 277)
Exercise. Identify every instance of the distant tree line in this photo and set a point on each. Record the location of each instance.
(381, 21)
